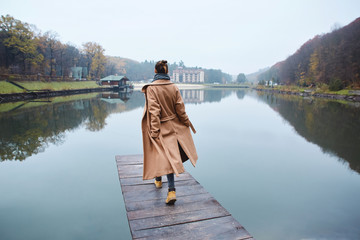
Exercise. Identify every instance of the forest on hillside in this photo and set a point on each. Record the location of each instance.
(28, 54)
(331, 59)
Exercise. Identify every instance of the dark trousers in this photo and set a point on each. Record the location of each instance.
(171, 181)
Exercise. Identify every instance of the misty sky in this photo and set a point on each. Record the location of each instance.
(232, 35)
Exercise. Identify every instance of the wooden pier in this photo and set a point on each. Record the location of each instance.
(195, 215)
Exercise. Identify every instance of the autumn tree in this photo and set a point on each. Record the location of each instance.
(49, 46)
(53, 46)
(314, 66)
(24, 50)
(19, 45)
(95, 59)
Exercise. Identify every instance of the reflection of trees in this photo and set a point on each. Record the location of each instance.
(240, 94)
(28, 131)
(215, 95)
(331, 125)
(96, 120)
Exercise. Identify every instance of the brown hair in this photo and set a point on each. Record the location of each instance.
(162, 67)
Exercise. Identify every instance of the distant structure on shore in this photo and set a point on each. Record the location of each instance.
(78, 73)
(117, 82)
(188, 75)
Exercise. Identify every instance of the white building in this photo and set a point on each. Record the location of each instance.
(188, 75)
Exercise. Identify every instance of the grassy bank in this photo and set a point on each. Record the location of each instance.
(319, 90)
(6, 88)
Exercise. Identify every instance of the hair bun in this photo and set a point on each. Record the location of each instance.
(161, 66)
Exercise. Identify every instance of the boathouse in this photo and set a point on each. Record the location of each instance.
(116, 81)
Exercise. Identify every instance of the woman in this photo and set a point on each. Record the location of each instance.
(167, 141)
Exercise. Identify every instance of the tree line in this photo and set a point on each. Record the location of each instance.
(24, 50)
(144, 71)
(331, 59)
(30, 54)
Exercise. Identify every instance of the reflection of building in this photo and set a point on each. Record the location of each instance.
(188, 75)
(116, 97)
(192, 95)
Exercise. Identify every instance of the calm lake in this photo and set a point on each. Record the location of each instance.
(285, 167)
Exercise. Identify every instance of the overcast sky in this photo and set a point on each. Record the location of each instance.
(232, 35)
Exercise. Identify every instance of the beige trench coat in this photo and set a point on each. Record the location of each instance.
(167, 141)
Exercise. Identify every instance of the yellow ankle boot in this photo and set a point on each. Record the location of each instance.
(158, 184)
(171, 197)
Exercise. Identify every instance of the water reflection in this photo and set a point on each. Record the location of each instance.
(27, 129)
(310, 188)
(332, 125)
(193, 95)
(240, 94)
(116, 97)
(200, 95)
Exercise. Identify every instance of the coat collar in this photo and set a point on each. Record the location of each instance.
(157, 82)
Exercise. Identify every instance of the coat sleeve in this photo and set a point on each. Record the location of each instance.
(180, 109)
(154, 110)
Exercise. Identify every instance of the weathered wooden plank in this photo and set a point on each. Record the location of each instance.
(173, 209)
(157, 194)
(215, 228)
(139, 181)
(178, 218)
(129, 159)
(133, 205)
(126, 171)
(196, 214)
(142, 187)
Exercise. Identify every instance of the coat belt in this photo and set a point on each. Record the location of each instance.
(168, 118)
(173, 116)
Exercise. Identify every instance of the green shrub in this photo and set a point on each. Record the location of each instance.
(262, 82)
(322, 87)
(335, 84)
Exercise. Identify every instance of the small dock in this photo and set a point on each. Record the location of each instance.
(195, 215)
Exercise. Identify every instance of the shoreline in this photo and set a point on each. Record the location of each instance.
(15, 97)
(38, 94)
(350, 98)
(138, 86)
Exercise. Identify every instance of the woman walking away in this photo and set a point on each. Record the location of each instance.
(167, 141)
